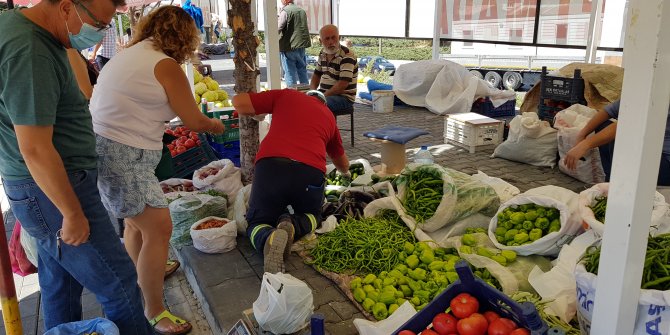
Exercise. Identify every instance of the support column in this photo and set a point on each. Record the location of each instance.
(272, 44)
(437, 29)
(644, 111)
(595, 30)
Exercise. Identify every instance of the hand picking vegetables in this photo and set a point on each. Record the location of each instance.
(424, 192)
(599, 208)
(656, 271)
(337, 179)
(525, 224)
(465, 317)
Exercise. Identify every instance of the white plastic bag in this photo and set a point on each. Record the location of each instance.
(569, 122)
(29, 245)
(659, 213)
(228, 179)
(653, 309)
(188, 209)
(549, 196)
(504, 189)
(240, 206)
(214, 240)
(530, 141)
(389, 325)
(284, 305)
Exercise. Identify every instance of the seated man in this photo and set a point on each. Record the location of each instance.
(603, 139)
(336, 71)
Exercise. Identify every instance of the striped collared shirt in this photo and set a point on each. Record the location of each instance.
(108, 47)
(343, 66)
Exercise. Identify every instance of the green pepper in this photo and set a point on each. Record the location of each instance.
(528, 225)
(509, 235)
(526, 207)
(421, 246)
(412, 261)
(501, 216)
(508, 224)
(378, 283)
(383, 274)
(542, 223)
(469, 240)
(522, 231)
(389, 281)
(414, 285)
(368, 288)
(402, 280)
(427, 256)
(402, 268)
(452, 277)
(369, 279)
(423, 295)
(500, 259)
(406, 291)
(517, 218)
(521, 237)
(417, 274)
(400, 301)
(481, 251)
(415, 301)
(399, 294)
(510, 255)
(450, 265)
(507, 212)
(500, 238)
(379, 311)
(356, 283)
(500, 231)
(409, 247)
(387, 297)
(465, 249)
(541, 212)
(531, 215)
(554, 226)
(436, 265)
(440, 252)
(374, 295)
(535, 234)
(402, 256)
(422, 306)
(553, 214)
(392, 308)
(368, 304)
(359, 294)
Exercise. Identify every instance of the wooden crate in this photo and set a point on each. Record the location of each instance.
(473, 131)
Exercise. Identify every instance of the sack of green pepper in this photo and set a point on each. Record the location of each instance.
(590, 201)
(537, 222)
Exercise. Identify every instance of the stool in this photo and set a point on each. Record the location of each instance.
(347, 111)
(393, 140)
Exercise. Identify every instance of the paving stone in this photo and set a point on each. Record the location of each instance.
(329, 314)
(344, 309)
(342, 328)
(330, 294)
(174, 296)
(29, 307)
(28, 290)
(318, 283)
(230, 265)
(229, 299)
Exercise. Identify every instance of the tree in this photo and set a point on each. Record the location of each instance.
(246, 72)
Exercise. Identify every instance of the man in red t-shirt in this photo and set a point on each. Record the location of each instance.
(289, 178)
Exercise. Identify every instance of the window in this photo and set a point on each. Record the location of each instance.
(562, 33)
(516, 35)
(467, 34)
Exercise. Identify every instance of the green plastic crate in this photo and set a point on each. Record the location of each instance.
(230, 134)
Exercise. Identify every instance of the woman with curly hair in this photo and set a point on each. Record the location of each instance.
(141, 88)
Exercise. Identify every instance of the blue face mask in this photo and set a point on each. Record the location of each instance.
(88, 35)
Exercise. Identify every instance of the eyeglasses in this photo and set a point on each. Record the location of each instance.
(98, 24)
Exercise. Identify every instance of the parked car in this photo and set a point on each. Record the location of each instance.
(311, 60)
(377, 64)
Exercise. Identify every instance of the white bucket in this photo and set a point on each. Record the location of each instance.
(382, 101)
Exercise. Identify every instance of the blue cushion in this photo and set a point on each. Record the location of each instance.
(396, 134)
(375, 85)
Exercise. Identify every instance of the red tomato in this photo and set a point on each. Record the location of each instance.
(189, 143)
(180, 149)
(500, 327)
(475, 324)
(170, 146)
(509, 322)
(193, 135)
(198, 143)
(463, 305)
(444, 323)
(173, 153)
(429, 331)
(520, 331)
(406, 332)
(491, 315)
(169, 132)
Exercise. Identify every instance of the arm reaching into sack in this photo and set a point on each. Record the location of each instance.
(586, 142)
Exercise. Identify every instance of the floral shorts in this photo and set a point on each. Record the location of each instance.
(126, 178)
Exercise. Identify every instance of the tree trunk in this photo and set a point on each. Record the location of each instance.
(246, 72)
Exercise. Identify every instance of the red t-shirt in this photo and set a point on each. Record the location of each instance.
(302, 128)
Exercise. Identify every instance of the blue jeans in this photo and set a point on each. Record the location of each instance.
(101, 265)
(337, 103)
(295, 67)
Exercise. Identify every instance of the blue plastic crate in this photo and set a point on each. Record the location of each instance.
(486, 108)
(524, 314)
(192, 159)
(228, 150)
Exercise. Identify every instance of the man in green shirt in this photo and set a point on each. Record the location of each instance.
(48, 162)
(293, 39)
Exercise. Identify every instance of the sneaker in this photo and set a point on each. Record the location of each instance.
(286, 224)
(273, 251)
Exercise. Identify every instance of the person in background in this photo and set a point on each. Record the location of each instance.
(293, 39)
(336, 72)
(143, 87)
(603, 139)
(106, 49)
(84, 72)
(48, 162)
(289, 177)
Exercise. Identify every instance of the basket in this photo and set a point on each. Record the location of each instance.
(561, 88)
(192, 159)
(228, 150)
(524, 314)
(485, 107)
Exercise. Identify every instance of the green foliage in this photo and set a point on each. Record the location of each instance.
(382, 77)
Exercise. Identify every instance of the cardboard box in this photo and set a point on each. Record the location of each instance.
(473, 131)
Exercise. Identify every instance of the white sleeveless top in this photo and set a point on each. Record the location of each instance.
(129, 105)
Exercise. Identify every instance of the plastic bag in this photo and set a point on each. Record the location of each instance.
(504, 189)
(214, 240)
(659, 213)
(221, 175)
(190, 208)
(387, 326)
(17, 256)
(101, 326)
(653, 309)
(175, 187)
(239, 212)
(549, 196)
(569, 122)
(462, 196)
(284, 305)
(29, 245)
(530, 141)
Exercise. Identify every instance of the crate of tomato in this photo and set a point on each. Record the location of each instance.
(189, 150)
(470, 306)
